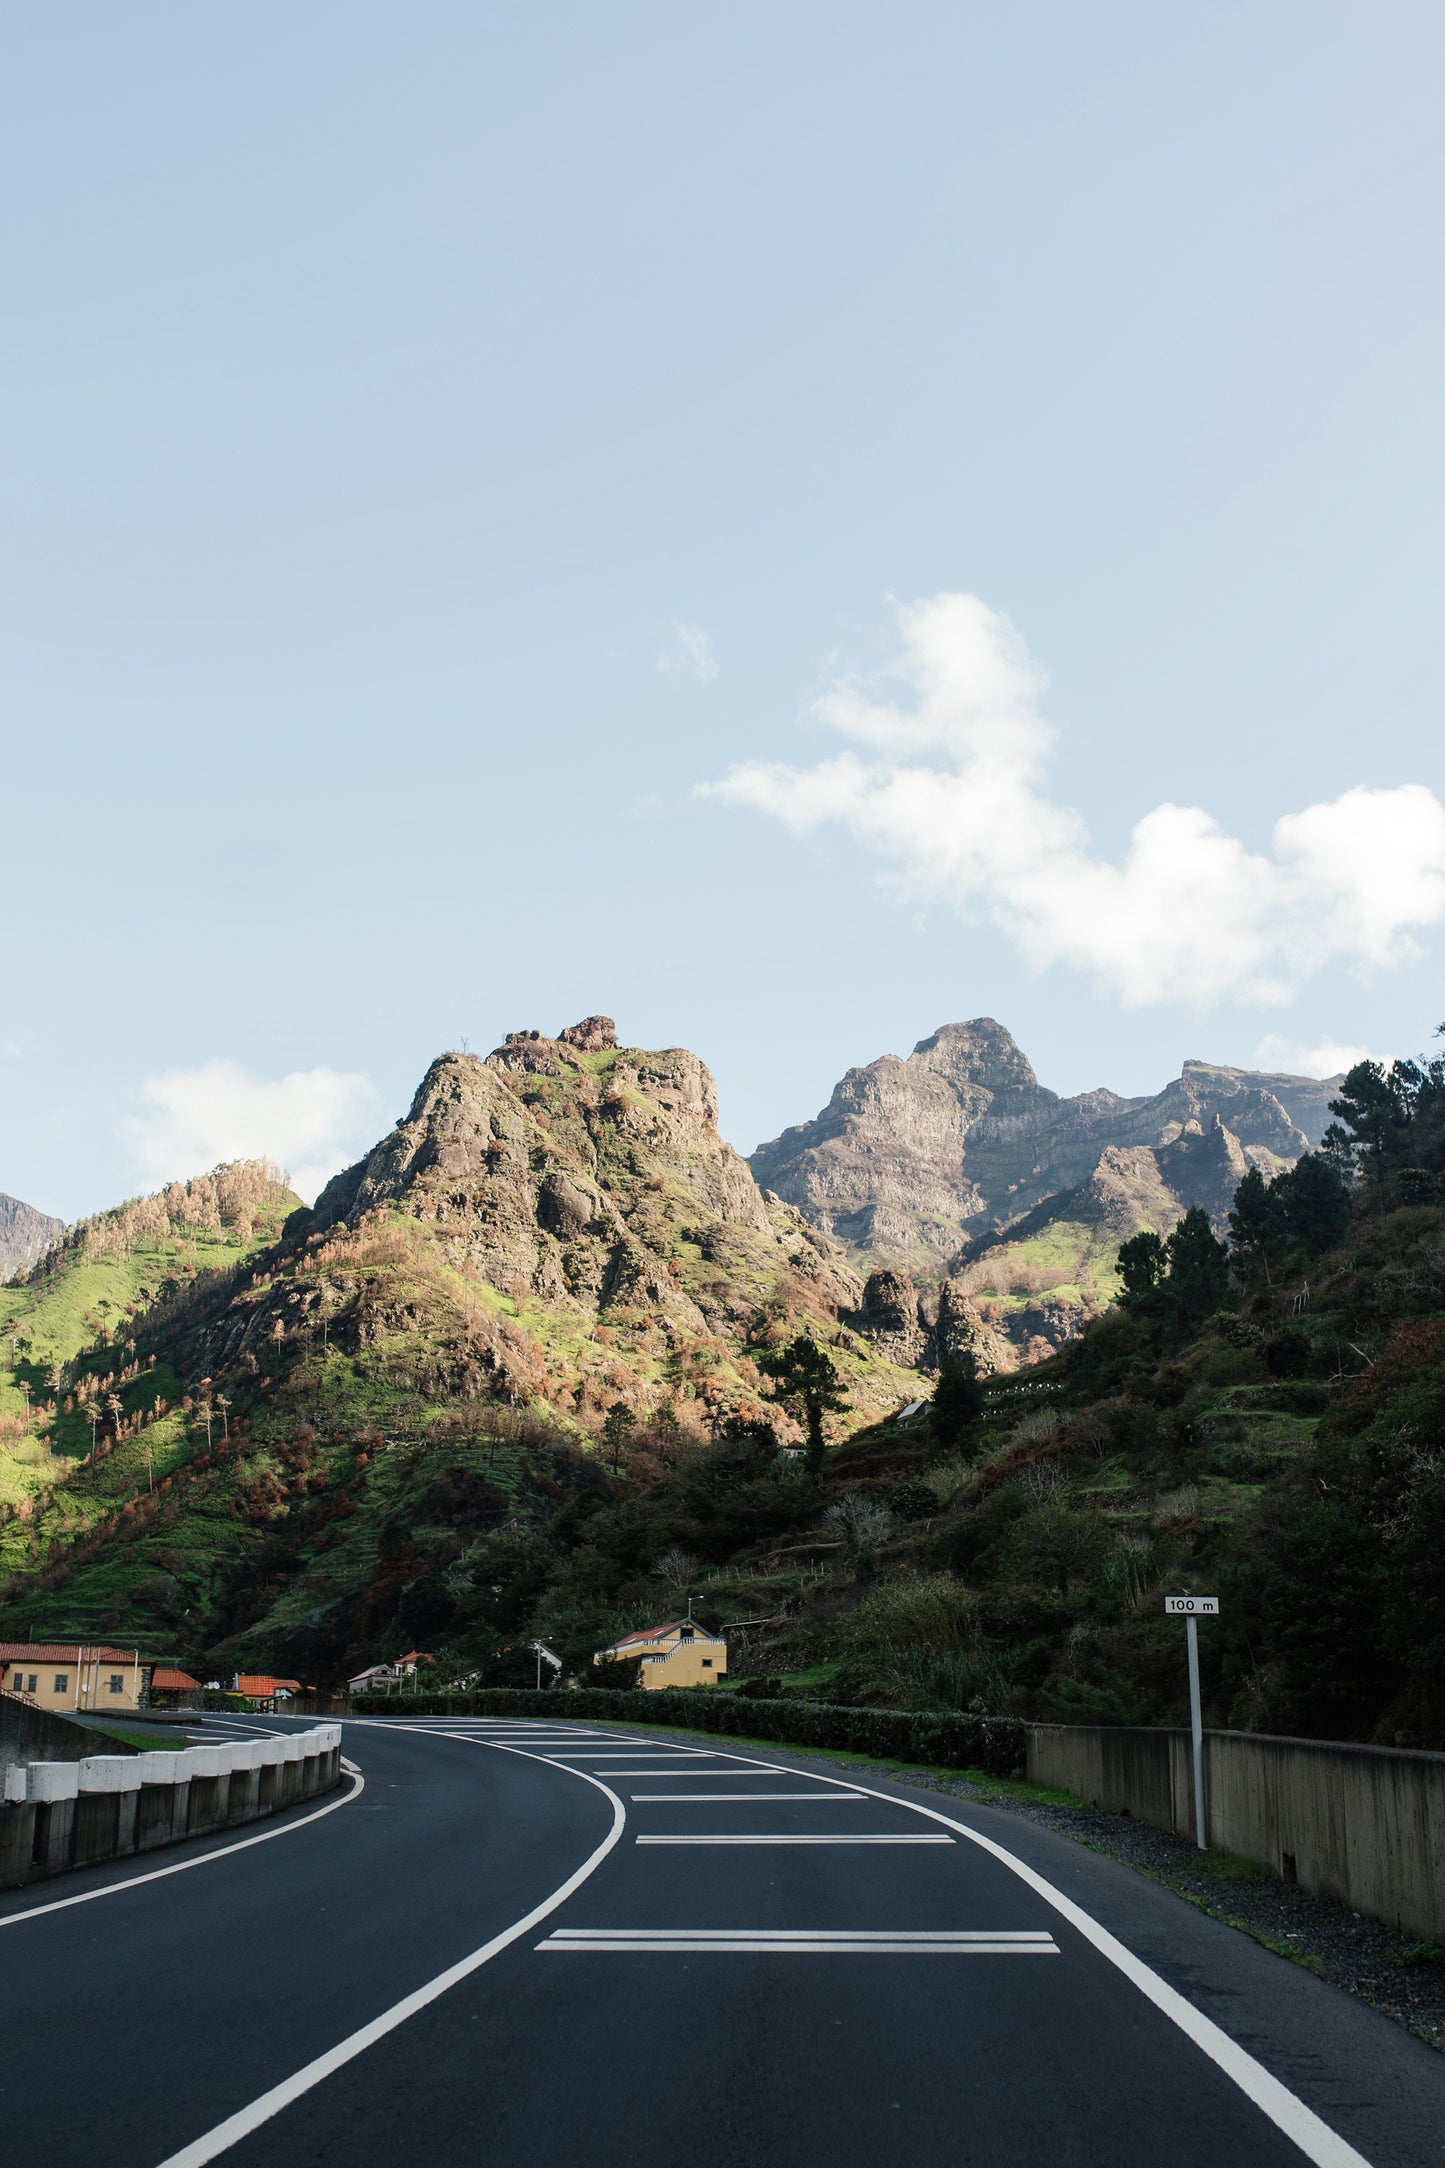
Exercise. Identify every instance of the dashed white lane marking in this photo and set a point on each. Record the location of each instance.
(223, 1851)
(736, 1799)
(802, 1942)
(811, 1837)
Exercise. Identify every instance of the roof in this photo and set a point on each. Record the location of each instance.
(165, 1679)
(372, 1671)
(414, 1656)
(655, 1633)
(62, 1652)
(255, 1682)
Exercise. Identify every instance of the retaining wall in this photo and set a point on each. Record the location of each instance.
(1365, 1824)
(74, 1813)
(28, 1734)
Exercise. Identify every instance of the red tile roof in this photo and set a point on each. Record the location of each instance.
(165, 1679)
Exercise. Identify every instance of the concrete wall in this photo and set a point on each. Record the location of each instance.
(1364, 1824)
(73, 1813)
(28, 1735)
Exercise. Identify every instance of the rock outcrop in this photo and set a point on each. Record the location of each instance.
(920, 1160)
(25, 1235)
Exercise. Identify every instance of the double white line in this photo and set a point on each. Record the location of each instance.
(810, 1942)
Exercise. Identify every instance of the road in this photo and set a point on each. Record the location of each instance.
(561, 1943)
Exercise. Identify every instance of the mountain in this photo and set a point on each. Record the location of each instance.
(957, 1164)
(25, 1235)
(551, 1266)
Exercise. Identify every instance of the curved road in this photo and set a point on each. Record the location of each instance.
(559, 1943)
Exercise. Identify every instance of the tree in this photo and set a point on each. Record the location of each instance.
(1198, 1266)
(957, 1401)
(1257, 1224)
(1315, 1202)
(617, 1428)
(1374, 1109)
(1143, 1264)
(805, 1382)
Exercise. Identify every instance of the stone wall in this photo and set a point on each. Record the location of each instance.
(1363, 1824)
(75, 1813)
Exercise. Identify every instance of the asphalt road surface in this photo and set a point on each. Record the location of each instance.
(562, 1943)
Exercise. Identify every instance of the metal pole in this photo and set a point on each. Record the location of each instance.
(1196, 1731)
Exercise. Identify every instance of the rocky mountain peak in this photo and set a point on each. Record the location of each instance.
(591, 1178)
(935, 1161)
(981, 1053)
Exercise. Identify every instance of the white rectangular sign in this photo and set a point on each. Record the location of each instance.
(1192, 1606)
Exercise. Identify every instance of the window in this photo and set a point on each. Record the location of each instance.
(62, 1682)
(707, 1663)
(116, 1683)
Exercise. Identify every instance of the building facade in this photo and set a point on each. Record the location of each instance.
(681, 1653)
(66, 1676)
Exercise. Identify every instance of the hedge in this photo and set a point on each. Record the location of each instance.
(995, 1743)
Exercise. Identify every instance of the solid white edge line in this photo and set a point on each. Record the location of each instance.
(158, 1874)
(259, 2111)
(1314, 2137)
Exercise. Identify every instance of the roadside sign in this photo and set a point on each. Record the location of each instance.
(1192, 1606)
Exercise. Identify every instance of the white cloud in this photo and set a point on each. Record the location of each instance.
(951, 791)
(190, 1119)
(1330, 1057)
(689, 653)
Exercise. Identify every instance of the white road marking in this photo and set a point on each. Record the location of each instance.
(1319, 2144)
(809, 1838)
(733, 1799)
(158, 1874)
(799, 1946)
(672, 1769)
(259, 2111)
(809, 1934)
(1314, 2138)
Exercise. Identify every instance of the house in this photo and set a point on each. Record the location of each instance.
(70, 1675)
(261, 1690)
(682, 1653)
(166, 1679)
(388, 1678)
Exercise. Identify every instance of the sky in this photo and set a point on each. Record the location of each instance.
(786, 525)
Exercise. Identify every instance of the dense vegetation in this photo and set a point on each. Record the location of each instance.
(391, 1465)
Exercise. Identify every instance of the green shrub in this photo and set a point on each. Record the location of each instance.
(936, 1741)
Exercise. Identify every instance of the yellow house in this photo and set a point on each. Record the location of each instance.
(70, 1675)
(681, 1653)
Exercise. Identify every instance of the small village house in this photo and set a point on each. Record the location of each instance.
(168, 1679)
(261, 1690)
(73, 1675)
(389, 1678)
(682, 1653)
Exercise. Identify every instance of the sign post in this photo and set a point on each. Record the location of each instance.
(1190, 1609)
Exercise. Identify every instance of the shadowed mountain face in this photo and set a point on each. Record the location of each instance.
(25, 1235)
(958, 1156)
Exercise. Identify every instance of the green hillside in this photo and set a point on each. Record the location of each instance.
(514, 1376)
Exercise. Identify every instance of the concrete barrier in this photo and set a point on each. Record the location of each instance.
(60, 1814)
(1364, 1824)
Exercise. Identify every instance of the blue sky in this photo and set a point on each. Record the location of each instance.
(438, 441)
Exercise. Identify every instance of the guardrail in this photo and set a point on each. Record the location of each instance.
(61, 1814)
